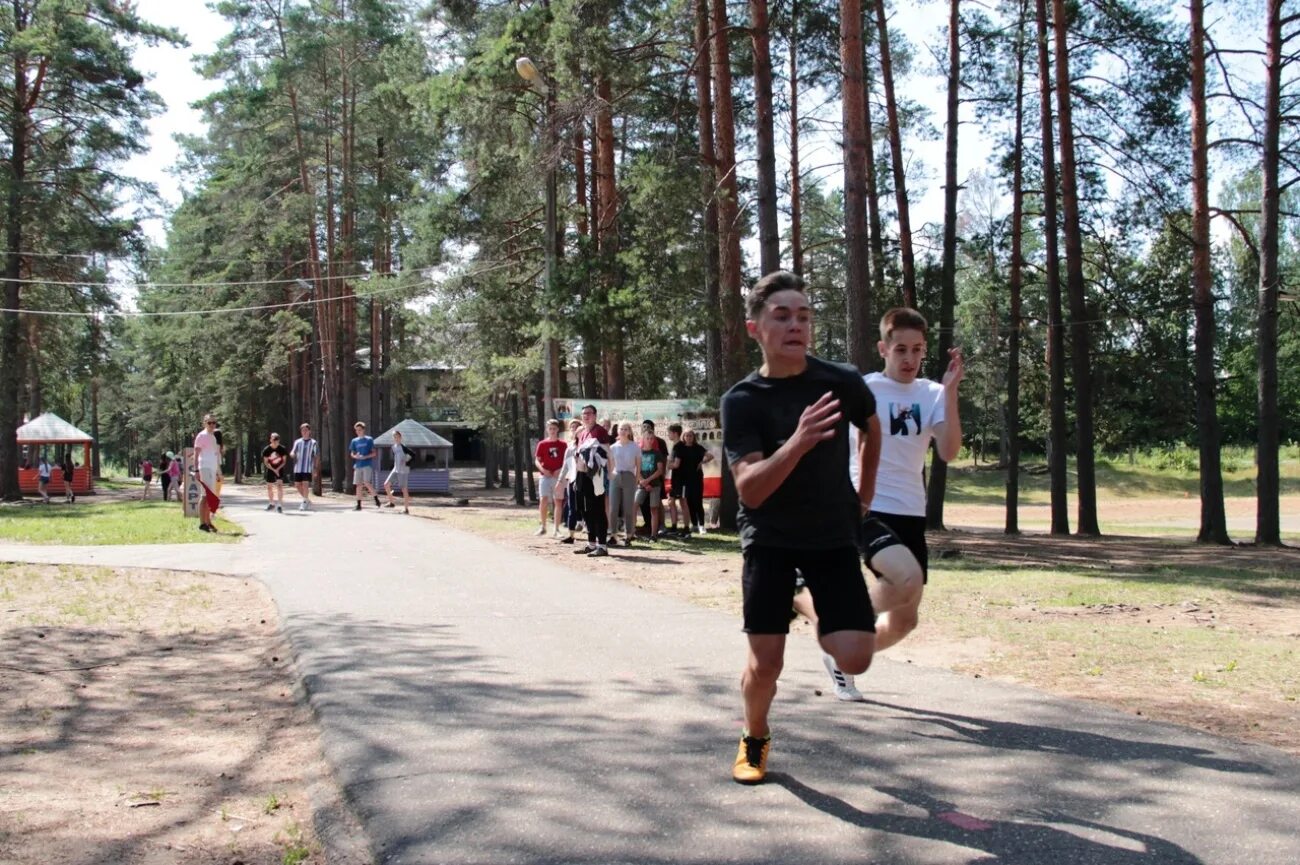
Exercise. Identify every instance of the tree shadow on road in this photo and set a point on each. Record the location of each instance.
(1009, 842)
(1010, 736)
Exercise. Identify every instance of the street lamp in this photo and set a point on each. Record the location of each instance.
(528, 71)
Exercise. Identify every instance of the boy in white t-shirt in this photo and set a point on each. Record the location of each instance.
(912, 411)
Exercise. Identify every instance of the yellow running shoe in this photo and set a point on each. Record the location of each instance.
(751, 760)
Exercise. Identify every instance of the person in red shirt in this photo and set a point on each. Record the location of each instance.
(549, 458)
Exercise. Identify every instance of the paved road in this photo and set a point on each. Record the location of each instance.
(481, 706)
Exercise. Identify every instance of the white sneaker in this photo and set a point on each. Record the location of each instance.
(844, 688)
(541, 531)
(703, 530)
(302, 506)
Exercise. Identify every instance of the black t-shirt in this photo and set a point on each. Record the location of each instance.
(690, 458)
(816, 507)
(275, 465)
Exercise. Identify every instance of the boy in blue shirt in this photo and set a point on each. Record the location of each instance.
(362, 452)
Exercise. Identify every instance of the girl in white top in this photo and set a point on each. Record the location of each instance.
(401, 474)
(624, 455)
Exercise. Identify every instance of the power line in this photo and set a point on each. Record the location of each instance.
(243, 283)
(59, 313)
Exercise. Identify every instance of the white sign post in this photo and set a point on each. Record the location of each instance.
(193, 490)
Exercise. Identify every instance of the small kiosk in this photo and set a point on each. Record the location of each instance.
(431, 467)
(49, 434)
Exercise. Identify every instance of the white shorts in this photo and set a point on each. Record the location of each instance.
(398, 479)
(550, 489)
(208, 477)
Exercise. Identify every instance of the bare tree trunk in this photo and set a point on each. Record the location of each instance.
(1055, 319)
(733, 325)
(1085, 469)
(896, 152)
(1214, 524)
(948, 289)
(1267, 486)
(10, 332)
(769, 241)
(857, 277)
(796, 183)
(517, 441)
(1012, 524)
(607, 240)
(704, 101)
(875, 229)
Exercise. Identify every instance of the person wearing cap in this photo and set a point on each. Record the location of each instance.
(164, 475)
(275, 458)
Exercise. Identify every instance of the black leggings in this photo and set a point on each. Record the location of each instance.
(166, 484)
(693, 493)
(592, 508)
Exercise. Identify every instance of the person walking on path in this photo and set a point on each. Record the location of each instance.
(914, 410)
(401, 473)
(625, 458)
(69, 472)
(275, 459)
(362, 452)
(43, 478)
(208, 453)
(689, 457)
(146, 475)
(549, 459)
(305, 453)
(785, 430)
(590, 463)
(174, 473)
(164, 475)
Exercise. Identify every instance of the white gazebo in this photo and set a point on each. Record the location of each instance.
(431, 468)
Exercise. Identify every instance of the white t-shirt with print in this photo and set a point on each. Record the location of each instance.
(908, 414)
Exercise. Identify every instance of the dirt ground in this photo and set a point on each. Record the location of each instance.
(151, 718)
(712, 579)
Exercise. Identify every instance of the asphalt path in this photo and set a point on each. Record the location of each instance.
(480, 705)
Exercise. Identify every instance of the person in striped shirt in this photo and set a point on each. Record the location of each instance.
(305, 452)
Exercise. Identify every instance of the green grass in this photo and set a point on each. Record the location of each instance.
(1052, 625)
(131, 522)
(1149, 474)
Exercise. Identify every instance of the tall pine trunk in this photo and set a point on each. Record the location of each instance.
(607, 239)
(1055, 318)
(948, 288)
(731, 307)
(708, 183)
(896, 154)
(1015, 283)
(857, 278)
(796, 182)
(1080, 354)
(10, 328)
(1267, 517)
(875, 229)
(769, 241)
(1214, 525)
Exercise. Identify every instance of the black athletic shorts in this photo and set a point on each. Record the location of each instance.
(881, 530)
(834, 577)
(272, 477)
(678, 487)
(302, 477)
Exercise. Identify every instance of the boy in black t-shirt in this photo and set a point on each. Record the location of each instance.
(785, 430)
(275, 459)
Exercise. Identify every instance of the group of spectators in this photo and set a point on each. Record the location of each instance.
(602, 482)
